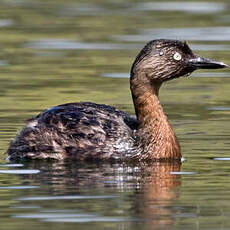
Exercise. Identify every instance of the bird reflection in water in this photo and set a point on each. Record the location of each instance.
(145, 192)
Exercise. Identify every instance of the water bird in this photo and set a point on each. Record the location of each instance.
(90, 131)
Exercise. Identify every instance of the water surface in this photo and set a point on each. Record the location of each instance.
(53, 52)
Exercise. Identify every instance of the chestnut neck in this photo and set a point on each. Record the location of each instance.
(155, 135)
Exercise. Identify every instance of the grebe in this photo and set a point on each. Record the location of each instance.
(85, 130)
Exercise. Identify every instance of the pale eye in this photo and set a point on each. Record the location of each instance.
(177, 56)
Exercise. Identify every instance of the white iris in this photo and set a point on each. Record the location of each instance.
(177, 56)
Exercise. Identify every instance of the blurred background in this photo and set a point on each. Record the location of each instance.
(54, 52)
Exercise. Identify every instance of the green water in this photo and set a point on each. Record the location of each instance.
(53, 52)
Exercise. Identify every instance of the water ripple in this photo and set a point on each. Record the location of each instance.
(218, 108)
(189, 7)
(202, 75)
(3, 63)
(54, 215)
(73, 217)
(116, 75)
(210, 47)
(77, 197)
(11, 165)
(20, 171)
(222, 159)
(19, 187)
(27, 207)
(83, 9)
(189, 34)
(62, 44)
(183, 173)
(91, 219)
(212, 74)
(6, 22)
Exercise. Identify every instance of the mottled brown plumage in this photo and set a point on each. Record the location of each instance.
(91, 131)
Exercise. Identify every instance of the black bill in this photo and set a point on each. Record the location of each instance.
(205, 63)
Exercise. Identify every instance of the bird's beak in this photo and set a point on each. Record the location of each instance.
(205, 63)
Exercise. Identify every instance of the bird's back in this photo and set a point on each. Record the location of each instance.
(77, 131)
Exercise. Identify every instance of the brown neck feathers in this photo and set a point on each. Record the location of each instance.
(155, 135)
